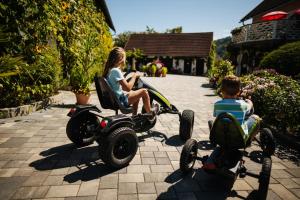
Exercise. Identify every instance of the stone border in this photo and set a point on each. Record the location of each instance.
(27, 109)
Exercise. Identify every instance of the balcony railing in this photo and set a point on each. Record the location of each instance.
(267, 30)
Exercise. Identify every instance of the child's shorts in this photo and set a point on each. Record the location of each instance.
(124, 100)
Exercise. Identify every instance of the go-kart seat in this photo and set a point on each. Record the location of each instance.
(108, 98)
(228, 134)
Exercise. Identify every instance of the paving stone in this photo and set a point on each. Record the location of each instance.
(149, 161)
(174, 156)
(155, 177)
(62, 191)
(31, 192)
(148, 149)
(164, 190)
(127, 197)
(109, 181)
(89, 188)
(111, 194)
(272, 195)
(9, 172)
(160, 154)
(146, 188)
(8, 186)
(138, 169)
(162, 161)
(296, 192)
(280, 173)
(36, 179)
(54, 180)
(127, 188)
(23, 172)
(282, 192)
(161, 168)
(288, 183)
(123, 178)
(147, 196)
(241, 185)
(147, 154)
(294, 172)
(81, 198)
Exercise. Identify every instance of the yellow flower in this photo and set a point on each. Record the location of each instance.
(65, 18)
(65, 5)
(38, 49)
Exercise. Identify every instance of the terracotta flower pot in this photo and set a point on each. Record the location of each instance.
(82, 99)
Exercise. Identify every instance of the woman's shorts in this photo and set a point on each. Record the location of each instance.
(124, 100)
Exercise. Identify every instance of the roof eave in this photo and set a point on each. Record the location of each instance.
(106, 14)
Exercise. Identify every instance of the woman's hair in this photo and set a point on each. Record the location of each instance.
(115, 57)
(231, 85)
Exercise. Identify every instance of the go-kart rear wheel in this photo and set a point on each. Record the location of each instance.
(120, 147)
(210, 124)
(264, 177)
(186, 124)
(267, 142)
(77, 128)
(188, 155)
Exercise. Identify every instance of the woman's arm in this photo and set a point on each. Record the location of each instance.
(127, 86)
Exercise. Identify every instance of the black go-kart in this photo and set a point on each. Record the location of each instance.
(116, 135)
(226, 138)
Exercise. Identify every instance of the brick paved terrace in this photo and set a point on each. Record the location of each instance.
(37, 160)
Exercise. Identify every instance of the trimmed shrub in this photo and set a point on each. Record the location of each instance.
(21, 83)
(276, 99)
(221, 69)
(285, 60)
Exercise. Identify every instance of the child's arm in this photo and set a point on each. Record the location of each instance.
(127, 86)
(249, 105)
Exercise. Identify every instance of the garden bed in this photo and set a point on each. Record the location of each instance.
(27, 109)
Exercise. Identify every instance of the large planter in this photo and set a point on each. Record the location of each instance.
(82, 99)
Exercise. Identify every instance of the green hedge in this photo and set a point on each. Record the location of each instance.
(276, 99)
(21, 83)
(285, 60)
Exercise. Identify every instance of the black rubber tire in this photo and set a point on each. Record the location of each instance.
(186, 125)
(188, 155)
(120, 157)
(210, 124)
(267, 142)
(264, 177)
(77, 126)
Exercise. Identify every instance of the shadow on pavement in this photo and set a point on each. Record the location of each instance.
(174, 141)
(156, 135)
(202, 185)
(85, 159)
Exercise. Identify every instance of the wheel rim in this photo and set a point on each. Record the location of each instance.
(190, 160)
(83, 128)
(123, 148)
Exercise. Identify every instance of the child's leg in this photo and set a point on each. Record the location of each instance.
(135, 107)
(253, 123)
(134, 96)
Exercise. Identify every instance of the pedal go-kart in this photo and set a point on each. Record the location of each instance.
(229, 148)
(116, 135)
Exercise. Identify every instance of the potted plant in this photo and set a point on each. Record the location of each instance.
(80, 82)
(164, 71)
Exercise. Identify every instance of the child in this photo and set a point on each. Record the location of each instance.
(240, 109)
(113, 73)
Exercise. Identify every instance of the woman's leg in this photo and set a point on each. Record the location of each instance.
(134, 96)
(135, 107)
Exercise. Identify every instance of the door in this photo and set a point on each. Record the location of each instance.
(199, 67)
(187, 66)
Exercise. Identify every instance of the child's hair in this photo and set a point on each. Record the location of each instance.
(231, 85)
(115, 56)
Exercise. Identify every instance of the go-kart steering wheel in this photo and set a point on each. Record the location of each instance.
(135, 86)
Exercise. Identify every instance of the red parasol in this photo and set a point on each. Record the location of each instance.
(297, 12)
(275, 15)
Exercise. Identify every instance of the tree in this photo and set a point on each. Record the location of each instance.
(121, 39)
(212, 56)
(177, 29)
(150, 30)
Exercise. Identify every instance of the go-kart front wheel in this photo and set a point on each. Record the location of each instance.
(186, 124)
(188, 155)
(120, 147)
(267, 142)
(77, 128)
(264, 177)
